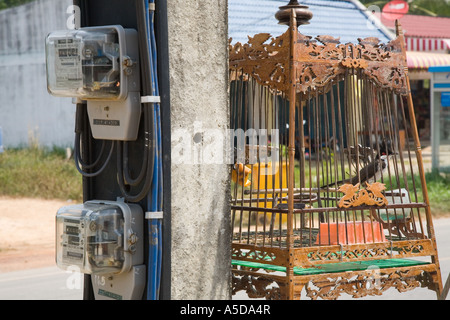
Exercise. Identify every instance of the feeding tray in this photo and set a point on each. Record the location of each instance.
(350, 233)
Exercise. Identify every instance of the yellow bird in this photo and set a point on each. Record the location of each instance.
(241, 173)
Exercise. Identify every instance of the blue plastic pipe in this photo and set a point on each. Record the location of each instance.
(155, 197)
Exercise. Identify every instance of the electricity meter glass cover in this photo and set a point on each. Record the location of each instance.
(96, 238)
(84, 63)
(98, 65)
(90, 238)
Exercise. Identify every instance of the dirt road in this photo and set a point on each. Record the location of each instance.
(27, 233)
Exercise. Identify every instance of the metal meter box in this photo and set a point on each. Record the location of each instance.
(100, 237)
(99, 65)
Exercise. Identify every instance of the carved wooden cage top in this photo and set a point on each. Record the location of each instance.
(326, 151)
(318, 61)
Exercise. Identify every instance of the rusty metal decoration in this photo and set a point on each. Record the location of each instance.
(354, 196)
(318, 61)
(338, 180)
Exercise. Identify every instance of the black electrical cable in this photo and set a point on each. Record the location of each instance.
(146, 171)
(79, 163)
(77, 157)
(80, 160)
(128, 179)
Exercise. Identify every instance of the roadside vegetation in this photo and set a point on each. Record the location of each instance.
(47, 173)
(438, 185)
(39, 173)
(5, 4)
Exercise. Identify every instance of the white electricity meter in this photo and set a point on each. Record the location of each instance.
(98, 65)
(100, 237)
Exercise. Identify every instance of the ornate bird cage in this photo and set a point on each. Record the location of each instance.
(328, 187)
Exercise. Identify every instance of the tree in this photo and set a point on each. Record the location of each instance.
(5, 4)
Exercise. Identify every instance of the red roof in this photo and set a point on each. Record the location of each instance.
(422, 26)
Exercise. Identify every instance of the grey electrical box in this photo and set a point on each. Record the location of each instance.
(101, 66)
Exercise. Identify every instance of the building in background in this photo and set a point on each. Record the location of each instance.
(428, 45)
(346, 20)
(28, 114)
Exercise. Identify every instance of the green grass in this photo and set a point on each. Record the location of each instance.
(5, 4)
(46, 173)
(438, 185)
(39, 173)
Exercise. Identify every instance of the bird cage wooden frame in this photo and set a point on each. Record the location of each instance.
(307, 113)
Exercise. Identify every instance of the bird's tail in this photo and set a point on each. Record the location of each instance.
(333, 184)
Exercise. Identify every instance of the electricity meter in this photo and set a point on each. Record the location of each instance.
(99, 65)
(99, 237)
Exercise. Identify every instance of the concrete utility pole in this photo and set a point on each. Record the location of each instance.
(200, 226)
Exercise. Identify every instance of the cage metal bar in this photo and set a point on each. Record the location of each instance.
(430, 226)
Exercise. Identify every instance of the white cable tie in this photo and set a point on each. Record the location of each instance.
(154, 215)
(150, 99)
(152, 6)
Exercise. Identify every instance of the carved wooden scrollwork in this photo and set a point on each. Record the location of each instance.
(371, 282)
(354, 196)
(264, 58)
(253, 255)
(404, 248)
(318, 61)
(374, 282)
(354, 63)
(256, 286)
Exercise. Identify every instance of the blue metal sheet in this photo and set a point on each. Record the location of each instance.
(445, 100)
(439, 69)
(337, 18)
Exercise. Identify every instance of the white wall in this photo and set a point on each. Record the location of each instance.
(28, 113)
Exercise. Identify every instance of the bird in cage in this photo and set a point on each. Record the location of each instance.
(374, 164)
(240, 174)
(360, 154)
